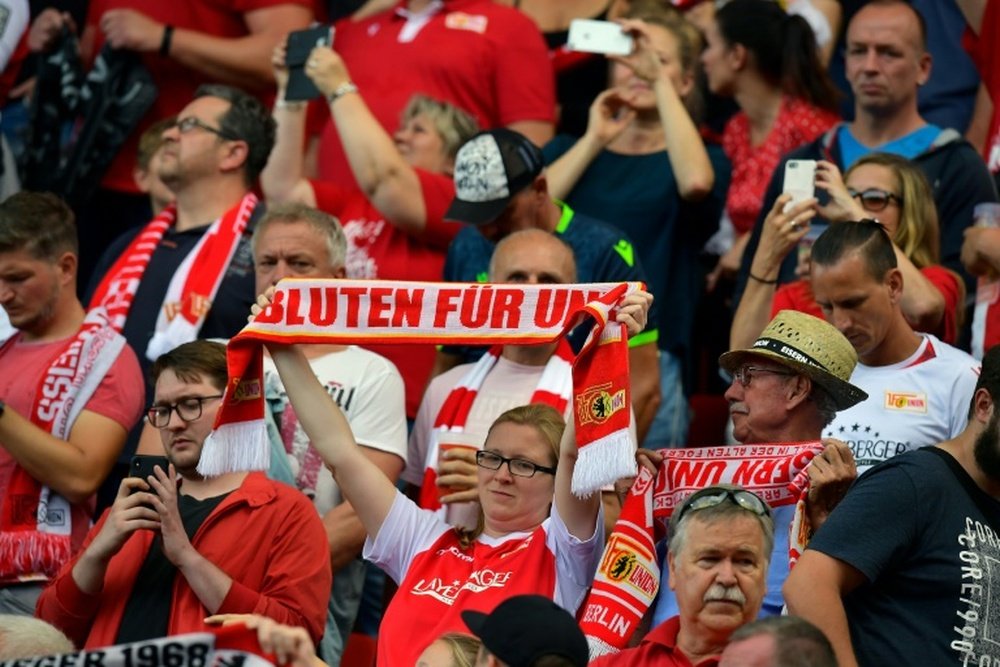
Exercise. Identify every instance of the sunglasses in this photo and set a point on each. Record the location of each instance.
(714, 496)
(874, 199)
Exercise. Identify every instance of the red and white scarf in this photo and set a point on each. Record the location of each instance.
(194, 285)
(359, 311)
(555, 388)
(628, 577)
(35, 522)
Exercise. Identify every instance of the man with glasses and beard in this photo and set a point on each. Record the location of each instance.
(904, 570)
(720, 547)
(176, 547)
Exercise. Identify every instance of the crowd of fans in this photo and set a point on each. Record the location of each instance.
(162, 175)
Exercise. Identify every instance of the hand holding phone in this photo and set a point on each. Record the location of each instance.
(142, 466)
(599, 37)
(800, 181)
(300, 44)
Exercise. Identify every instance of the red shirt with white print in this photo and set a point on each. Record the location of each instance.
(438, 579)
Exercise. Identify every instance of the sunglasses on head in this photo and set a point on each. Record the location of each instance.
(711, 497)
(874, 199)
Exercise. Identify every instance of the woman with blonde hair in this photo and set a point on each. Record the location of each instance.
(451, 650)
(535, 535)
(887, 188)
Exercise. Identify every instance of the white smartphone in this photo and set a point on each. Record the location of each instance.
(598, 37)
(800, 181)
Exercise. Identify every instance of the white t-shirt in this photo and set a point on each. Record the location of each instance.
(920, 401)
(369, 390)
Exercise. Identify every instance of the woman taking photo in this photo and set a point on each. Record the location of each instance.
(534, 535)
(888, 188)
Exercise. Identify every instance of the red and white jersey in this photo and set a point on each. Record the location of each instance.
(920, 401)
(438, 579)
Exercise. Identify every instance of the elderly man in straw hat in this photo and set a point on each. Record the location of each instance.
(786, 388)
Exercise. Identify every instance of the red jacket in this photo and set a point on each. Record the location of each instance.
(266, 536)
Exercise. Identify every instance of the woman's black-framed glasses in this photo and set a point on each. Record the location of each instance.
(714, 496)
(517, 467)
(874, 199)
(188, 409)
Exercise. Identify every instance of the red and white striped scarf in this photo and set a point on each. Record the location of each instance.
(360, 311)
(628, 577)
(555, 388)
(35, 522)
(194, 285)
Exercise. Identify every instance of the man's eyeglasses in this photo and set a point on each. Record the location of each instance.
(185, 125)
(188, 409)
(874, 199)
(714, 496)
(744, 374)
(517, 467)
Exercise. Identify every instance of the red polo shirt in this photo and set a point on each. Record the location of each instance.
(659, 648)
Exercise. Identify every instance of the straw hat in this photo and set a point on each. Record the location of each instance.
(807, 345)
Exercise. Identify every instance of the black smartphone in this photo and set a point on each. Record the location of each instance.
(300, 44)
(142, 466)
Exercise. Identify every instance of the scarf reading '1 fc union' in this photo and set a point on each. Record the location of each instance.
(360, 311)
(629, 576)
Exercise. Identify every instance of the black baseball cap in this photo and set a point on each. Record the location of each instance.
(524, 628)
(490, 169)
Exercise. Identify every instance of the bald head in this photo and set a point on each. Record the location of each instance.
(532, 256)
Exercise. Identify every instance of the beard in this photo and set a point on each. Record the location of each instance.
(987, 448)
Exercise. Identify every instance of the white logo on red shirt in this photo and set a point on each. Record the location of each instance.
(448, 592)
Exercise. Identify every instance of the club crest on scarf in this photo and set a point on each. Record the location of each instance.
(595, 405)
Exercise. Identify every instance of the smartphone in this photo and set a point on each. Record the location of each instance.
(142, 466)
(598, 37)
(800, 181)
(297, 49)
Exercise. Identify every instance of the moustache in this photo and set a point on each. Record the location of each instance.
(720, 593)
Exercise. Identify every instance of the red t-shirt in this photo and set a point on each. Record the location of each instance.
(120, 397)
(176, 83)
(797, 123)
(798, 296)
(378, 249)
(481, 56)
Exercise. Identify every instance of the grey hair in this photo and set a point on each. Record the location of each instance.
(797, 642)
(722, 512)
(324, 223)
(28, 637)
